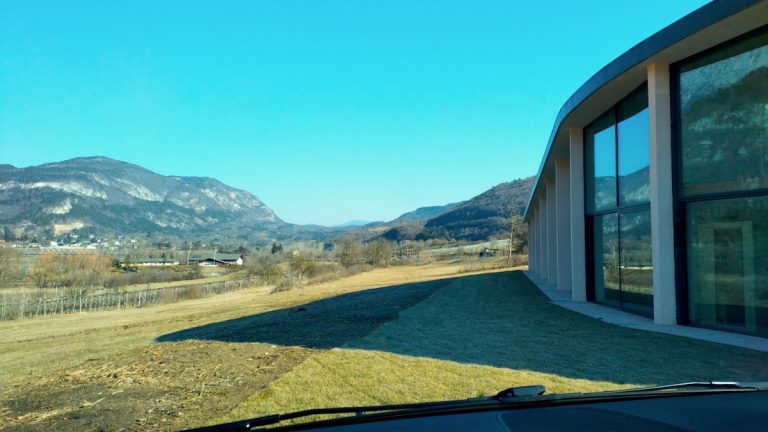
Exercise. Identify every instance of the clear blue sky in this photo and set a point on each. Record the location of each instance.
(326, 110)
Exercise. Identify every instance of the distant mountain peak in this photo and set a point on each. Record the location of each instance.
(108, 195)
(354, 223)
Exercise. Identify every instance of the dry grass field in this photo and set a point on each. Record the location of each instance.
(41, 344)
(399, 334)
(38, 355)
(481, 334)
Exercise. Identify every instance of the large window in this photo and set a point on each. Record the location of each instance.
(724, 119)
(601, 164)
(606, 252)
(723, 189)
(617, 158)
(727, 258)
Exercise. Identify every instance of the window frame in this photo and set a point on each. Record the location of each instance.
(619, 209)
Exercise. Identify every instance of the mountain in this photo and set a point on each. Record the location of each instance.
(403, 227)
(106, 196)
(480, 218)
(354, 223)
(483, 216)
(103, 196)
(423, 213)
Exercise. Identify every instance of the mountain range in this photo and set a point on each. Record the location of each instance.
(99, 195)
(480, 218)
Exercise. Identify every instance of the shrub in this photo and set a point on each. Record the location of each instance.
(321, 269)
(301, 266)
(379, 252)
(347, 251)
(285, 284)
(263, 266)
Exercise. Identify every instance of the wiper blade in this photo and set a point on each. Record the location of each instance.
(708, 385)
(505, 396)
(527, 394)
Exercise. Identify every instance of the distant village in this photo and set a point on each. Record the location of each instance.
(133, 252)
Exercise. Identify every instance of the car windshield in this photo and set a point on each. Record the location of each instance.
(216, 211)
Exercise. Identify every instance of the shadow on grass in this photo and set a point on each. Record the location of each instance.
(322, 324)
(498, 319)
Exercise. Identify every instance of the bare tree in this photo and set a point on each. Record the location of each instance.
(347, 251)
(518, 233)
(82, 270)
(301, 266)
(45, 270)
(379, 252)
(9, 264)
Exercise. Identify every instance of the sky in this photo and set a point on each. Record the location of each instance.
(328, 111)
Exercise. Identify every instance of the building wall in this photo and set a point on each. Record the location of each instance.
(694, 246)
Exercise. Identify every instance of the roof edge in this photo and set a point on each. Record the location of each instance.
(670, 35)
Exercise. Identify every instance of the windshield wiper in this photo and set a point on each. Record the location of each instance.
(514, 395)
(507, 395)
(705, 385)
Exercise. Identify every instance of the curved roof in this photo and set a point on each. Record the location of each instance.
(703, 28)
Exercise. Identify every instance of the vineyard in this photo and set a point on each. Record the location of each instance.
(64, 301)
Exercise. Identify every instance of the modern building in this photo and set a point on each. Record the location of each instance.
(652, 195)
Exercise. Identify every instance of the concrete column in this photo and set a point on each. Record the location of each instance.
(551, 232)
(539, 242)
(532, 245)
(531, 252)
(578, 245)
(536, 235)
(662, 221)
(543, 236)
(563, 201)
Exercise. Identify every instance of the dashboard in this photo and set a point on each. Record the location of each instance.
(737, 411)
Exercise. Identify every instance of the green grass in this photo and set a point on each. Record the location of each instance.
(480, 334)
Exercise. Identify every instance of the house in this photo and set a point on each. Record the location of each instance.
(149, 262)
(652, 195)
(218, 259)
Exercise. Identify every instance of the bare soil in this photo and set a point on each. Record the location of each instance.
(167, 386)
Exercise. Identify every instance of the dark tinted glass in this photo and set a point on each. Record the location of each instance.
(601, 163)
(606, 246)
(634, 149)
(724, 120)
(728, 264)
(636, 263)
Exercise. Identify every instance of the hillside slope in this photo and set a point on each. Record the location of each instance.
(105, 196)
(483, 216)
(404, 227)
(423, 214)
(480, 218)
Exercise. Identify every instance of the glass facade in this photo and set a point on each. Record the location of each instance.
(601, 163)
(724, 119)
(617, 155)
(727, 262)
(635, 261)
(606, 252)
(634, 152)
(723, 184)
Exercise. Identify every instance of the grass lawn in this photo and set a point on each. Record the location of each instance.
(399, 334)
(477, 335)
(42, 345)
